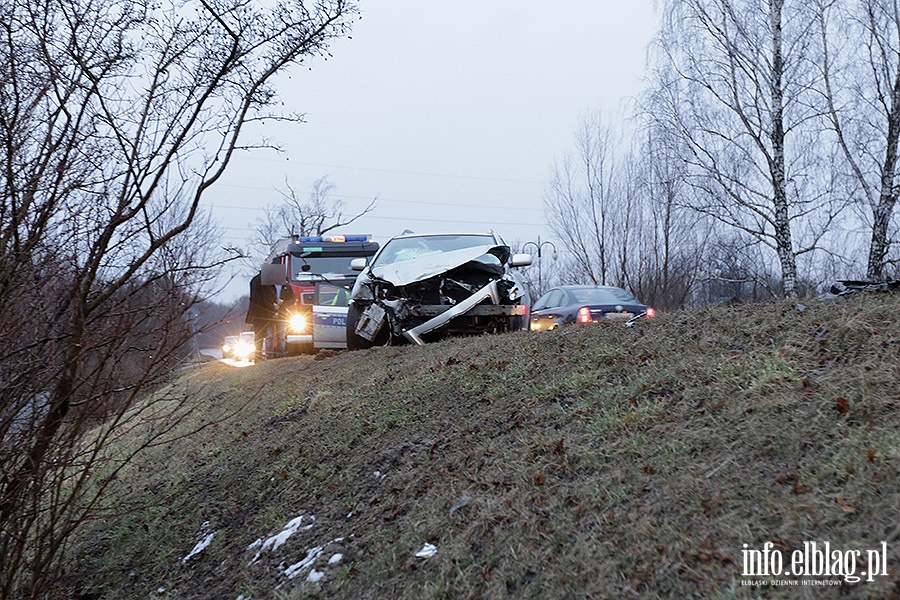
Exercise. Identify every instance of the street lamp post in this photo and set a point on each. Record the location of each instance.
(539, 245)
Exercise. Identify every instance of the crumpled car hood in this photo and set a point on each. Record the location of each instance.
(421, 268)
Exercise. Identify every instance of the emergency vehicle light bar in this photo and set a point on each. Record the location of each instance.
(334, 238)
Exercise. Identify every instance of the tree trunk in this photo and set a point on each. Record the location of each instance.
(783, 242)
(887, 198)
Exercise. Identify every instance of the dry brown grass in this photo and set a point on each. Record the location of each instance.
(589, 462)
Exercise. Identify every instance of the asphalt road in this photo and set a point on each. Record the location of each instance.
(216, 353)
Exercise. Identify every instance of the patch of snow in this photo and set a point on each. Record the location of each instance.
(200, 547)
(335, 558)
(274, 542)
(315, 576)
(427, 551)
(311, 555)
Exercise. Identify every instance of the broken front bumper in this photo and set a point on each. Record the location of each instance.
(470, 306)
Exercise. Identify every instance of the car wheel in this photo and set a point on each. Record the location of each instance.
(518, 323)
(357, 342)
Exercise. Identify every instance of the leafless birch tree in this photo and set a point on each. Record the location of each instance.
(861, 89)
(733, 88)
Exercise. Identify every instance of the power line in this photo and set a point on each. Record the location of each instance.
(404, 219)
(379, 199)
(398, 171)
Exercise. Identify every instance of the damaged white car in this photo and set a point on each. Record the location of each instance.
(423, 287)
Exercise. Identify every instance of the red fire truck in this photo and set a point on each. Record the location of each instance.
(308, 271)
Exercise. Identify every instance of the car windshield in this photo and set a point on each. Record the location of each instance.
(603, 296)
(408, 248)
(308, 265)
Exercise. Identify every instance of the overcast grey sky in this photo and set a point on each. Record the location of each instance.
(450, 112)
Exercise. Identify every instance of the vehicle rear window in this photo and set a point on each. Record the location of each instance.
(604, 296)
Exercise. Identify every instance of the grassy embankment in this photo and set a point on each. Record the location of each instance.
(591, 461)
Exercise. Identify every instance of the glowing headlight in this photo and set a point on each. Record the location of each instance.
(297, 323)
(226, 348)
(243, 349)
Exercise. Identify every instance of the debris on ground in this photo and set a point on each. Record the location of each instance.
(845, 287)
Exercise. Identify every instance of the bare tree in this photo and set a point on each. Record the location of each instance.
(116, 117)
(673, 239)
(861, 88)
(315, 215)
(618, 212)
(733, 89)
(580, 200)
(734, 271)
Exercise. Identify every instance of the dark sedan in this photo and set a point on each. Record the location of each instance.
(585, 304)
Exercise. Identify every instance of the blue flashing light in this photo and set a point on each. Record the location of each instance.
(336, 238)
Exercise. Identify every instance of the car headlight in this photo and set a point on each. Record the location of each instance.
(243, 349)
(297, 323)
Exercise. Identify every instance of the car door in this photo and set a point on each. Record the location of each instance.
(330, 314)
(545, 313)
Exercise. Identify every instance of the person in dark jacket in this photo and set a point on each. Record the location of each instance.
(261, 313)
(286, 301)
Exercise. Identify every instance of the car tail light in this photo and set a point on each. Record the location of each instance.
(650, 313)
(584, 315)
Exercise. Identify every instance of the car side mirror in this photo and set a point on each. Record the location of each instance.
(358, 264)
(520, 260)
